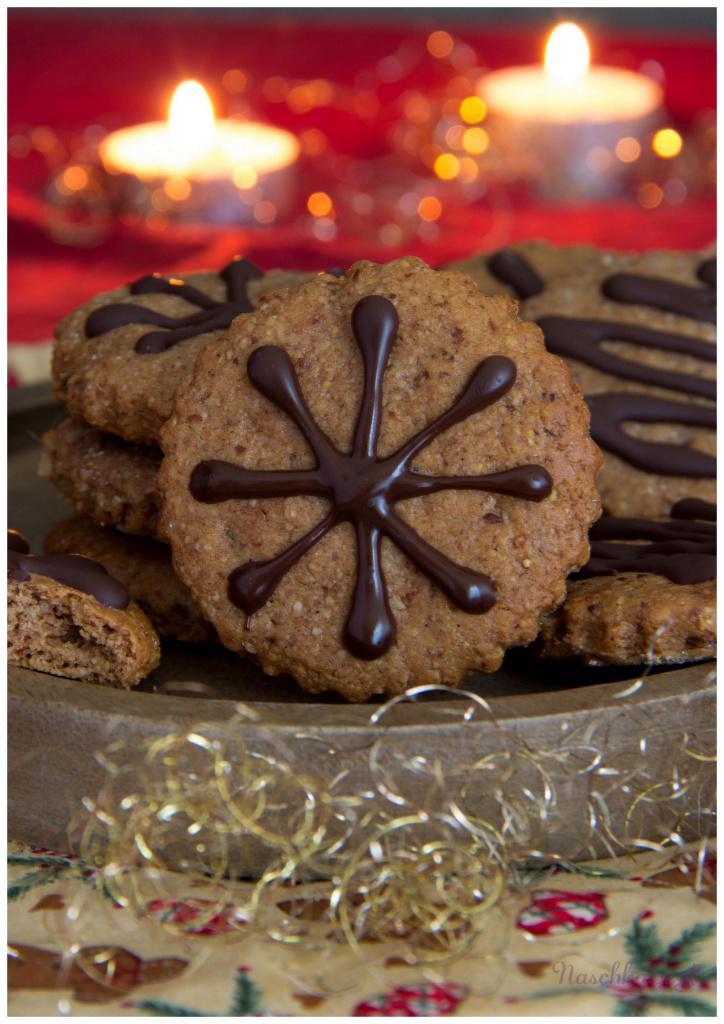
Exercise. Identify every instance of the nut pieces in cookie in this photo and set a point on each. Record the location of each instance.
(647, 595)
(69, 617)
(299, 398)
(363, 488)
(119, 376)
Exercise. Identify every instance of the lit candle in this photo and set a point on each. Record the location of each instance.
(561, 119)
(193, 165)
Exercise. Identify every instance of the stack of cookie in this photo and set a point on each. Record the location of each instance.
(118, 380)
(638, 332)
(386, 478)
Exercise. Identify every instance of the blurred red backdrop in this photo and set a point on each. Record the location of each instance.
(70, 71)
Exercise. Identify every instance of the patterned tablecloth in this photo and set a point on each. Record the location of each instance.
(630, 937)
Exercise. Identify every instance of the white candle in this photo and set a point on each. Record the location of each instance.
(192, 150)
(566, 90)
(553, 115)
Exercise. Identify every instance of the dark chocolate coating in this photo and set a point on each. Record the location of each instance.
(17, 542)
(694, 508)
(583, 339)
(706, 271)
(670, 296)
(363, 488)
(683, 552)
(610, 410)
(212, 315)
(71, 570)
(514, 270)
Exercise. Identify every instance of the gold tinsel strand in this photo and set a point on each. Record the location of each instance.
(408, 856)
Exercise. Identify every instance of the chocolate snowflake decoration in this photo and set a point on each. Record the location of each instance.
(212, 315)
(362, 487)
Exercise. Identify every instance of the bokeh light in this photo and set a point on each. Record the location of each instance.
(235, 80)
(628, 149)
(440, 44)
(447, 166)
(75, 178)
(177, 188)
(429, 208)
(319, 204)
(475, 140)
(473, 109)
(265, 212)
(650, 195)
(667, 143)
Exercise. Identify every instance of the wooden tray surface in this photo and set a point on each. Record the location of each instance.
(57, 725)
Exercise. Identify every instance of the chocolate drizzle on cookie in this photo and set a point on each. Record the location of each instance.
(670, 296)
(583, 340)
(706, 272)
(694, 508)
(514, 270)
(683, 552)
(212, 315)
(71, 570)
(610, 411)
(363, 487)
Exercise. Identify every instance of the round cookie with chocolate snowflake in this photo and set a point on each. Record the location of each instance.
(638, 331)
(119, 358)
(378, 481)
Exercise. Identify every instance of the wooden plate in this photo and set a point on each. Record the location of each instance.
(57, 725)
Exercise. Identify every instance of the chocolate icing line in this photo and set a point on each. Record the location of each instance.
(610, 410)
(212, 316)
(362, 487)
(683, 552)
(582, 340)
(74, 571)
(515, 270)
(670, 296)
(706, 271)
(17, 542)
(694, 508)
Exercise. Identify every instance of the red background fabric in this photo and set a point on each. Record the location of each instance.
(69, 71)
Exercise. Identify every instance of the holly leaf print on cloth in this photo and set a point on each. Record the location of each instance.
(659, 974)
(246, 1001)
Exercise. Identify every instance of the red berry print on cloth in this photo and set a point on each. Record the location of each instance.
(194, 916)
(555, 911)
(422, 1000)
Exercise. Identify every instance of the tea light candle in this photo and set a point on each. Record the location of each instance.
(550, 118)
(195, 167)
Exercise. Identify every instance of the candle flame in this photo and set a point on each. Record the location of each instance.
(567, 54)
(191, 124)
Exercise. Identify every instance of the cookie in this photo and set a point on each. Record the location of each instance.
(104, 477)
(646, 596)
(119, 358)
(144, 568)
(638, 332)
(378, 481)
(69, 617)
